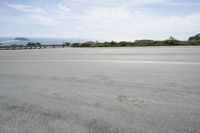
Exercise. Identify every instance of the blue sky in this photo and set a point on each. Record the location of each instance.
(100, 19)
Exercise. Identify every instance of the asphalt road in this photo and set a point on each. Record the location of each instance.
(100, 90)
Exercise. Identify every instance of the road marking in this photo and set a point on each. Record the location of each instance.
(110, 61)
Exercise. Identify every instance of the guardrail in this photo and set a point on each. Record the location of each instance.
(30, 47)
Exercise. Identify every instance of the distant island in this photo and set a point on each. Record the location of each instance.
(21, 39)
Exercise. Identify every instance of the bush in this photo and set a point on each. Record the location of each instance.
(159, 43)
(125, 44)
(194, 42)
(144, 42)
(88, 44)
(194, 38)
(14, 45)
(171, 41)
(67, 44)
(34, 44)
(75, 45)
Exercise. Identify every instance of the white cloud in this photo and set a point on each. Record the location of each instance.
(175, 23)
(101, 18)
(62, 10)
(145, 2)
(109, 14)
(34, 15)
(184, 4)
(26, 8)
(42, 20)
(120, 23)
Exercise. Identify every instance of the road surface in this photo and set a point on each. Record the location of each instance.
(100, 90)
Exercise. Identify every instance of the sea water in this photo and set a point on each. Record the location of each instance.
(44, 41)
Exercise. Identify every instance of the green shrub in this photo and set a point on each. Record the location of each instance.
(88, 44)
(144, 42)
(196, 37)
(33, 44)
(171, 41)
(194, 42)
(75, 45)
(67, 44)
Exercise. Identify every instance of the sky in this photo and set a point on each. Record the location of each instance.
(100, 19)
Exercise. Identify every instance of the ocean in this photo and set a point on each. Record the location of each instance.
(44, 41)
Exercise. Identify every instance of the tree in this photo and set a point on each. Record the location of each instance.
(144, 42)
(125, 44)
(67, 44)
(196, 37)
(113, 44)
(75, 44)
(34, 44)
(171, 41)
(88, 44)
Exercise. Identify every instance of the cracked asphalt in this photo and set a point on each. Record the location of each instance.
(100, 90)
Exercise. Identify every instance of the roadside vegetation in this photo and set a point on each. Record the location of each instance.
(171, 41)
